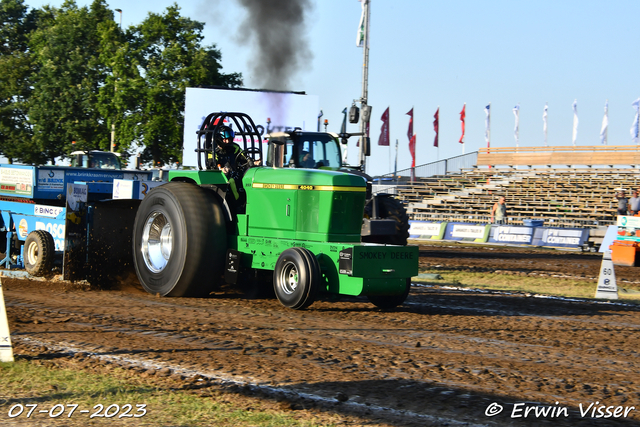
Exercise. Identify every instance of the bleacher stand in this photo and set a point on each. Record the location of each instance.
(562, 186)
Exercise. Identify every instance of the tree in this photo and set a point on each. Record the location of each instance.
(64, 102)
(170, 58)
(16, 23)
(70, 74)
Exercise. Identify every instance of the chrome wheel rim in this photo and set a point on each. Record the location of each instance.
(289, 278)
(157, 242)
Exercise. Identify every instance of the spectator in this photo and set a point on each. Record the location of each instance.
(634, 204)
(622, 203)
(499, 211)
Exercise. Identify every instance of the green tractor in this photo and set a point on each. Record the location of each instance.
(301, 228)
(385, 217)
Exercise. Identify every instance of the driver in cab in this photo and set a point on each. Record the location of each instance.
(230, 158)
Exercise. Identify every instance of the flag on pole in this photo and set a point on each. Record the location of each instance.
(487, 125)
(575, 122)
(361, 27)
(462, 116)
(544, 122)
(605, 124)
(634, 127)
(436, 126)
(516, 130)
(384, 131)
(412, 139)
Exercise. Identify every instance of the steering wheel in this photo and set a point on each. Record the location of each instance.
(249, 152)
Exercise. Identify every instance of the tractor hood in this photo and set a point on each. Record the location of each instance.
(287, 176)
(304, 204)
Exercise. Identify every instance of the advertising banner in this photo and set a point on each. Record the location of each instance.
(514, 235)
(17, 180)
(427, 230)
(467, 232)
(560, 237)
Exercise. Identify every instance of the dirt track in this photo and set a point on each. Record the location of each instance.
(441, 359)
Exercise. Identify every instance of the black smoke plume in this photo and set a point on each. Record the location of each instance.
(277, 31)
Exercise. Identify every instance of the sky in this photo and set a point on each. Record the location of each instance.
(427, 55)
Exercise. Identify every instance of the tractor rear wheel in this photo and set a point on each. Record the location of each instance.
(389, 208)
(179, 241)
(385, 302)
(39, 249)
(296, 278)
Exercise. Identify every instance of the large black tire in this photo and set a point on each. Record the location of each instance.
(386, 302)
(179, 241)
(296, 278)
(39, 250)
(389, 208)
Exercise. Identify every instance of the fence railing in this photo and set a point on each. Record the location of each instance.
(440, 167)
(552, 157)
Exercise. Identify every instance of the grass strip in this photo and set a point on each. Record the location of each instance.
(541, 285)
(26, 382)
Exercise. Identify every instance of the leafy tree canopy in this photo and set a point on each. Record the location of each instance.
(78, 81)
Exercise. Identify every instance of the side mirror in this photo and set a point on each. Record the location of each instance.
(354, 114)
(366, 145)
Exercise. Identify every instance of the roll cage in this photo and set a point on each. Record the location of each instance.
(242, 125)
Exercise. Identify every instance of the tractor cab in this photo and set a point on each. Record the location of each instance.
(304, 150)
(95, 159)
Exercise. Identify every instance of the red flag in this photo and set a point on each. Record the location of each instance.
(462, 116)
(412, 149)
(436, 116)
(384, 131)
(412, 139)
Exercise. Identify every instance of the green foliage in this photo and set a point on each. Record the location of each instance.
(169, 58)
(15, 90)
(73, 75)
(64, 99)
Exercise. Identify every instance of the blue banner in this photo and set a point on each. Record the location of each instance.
(515, 235)
(560, 237)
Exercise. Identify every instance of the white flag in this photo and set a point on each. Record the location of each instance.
(575, 122)
(361, 29)
(605, 124)
(487, 125)
(634, 127)
(544, 122)
(516, 130)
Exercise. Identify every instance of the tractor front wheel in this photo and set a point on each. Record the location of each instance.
(296, 278)
(179, 241)
(385, 302)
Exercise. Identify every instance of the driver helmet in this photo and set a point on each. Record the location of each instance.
(225, 132)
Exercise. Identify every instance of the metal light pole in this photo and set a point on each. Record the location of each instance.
(365, 83)
(115, 89)
(120, 12)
